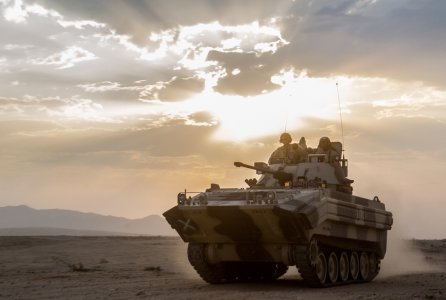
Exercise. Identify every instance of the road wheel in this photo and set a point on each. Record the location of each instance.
(321, 267)
(374, 266)
(364, 266)
(343, 266)
(333, 267)
(354, 265)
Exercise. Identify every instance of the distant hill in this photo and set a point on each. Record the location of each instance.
(39, 231)
(24, 220)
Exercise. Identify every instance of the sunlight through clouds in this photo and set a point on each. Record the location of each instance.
(300, 97)
(193, 43)
(79, 109)
(67, 58)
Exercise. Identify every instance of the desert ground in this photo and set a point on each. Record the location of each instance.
(63, 267)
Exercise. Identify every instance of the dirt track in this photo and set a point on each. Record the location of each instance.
(144, 267)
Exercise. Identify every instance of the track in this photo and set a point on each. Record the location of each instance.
(323, 266)
(227, 272)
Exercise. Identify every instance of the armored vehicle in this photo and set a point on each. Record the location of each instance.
(301, 215)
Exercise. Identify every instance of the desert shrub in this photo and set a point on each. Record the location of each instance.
(103, 261)
(153, 269)
(79, 267)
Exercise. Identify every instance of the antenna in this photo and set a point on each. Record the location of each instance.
(340, 116)
(344, 161)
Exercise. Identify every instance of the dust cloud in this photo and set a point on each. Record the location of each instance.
(181, 260)
(403, 257)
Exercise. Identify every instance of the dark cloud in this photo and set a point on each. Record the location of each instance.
(254, 75)
(202, 117)
(400, 40)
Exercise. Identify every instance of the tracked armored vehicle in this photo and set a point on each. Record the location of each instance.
(301, 215)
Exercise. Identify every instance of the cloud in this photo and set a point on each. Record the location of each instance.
(15, 13)
(105, 86)
(363, 38)
(53, 108)
(159, 15)
(252, 77)
(15, 47)
(184, 46)
(180, 88)
(18, 12)
(381, 38)
(175, 89)
(3, 65)
(67, 58)
(82, 24)
(201, 119)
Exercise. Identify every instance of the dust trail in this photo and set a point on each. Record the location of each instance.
(182, 264)
(403, 257)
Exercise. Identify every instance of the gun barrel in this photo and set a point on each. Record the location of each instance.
(266, 170)
(281, 176)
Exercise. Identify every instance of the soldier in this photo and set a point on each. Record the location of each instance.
(333, 157)
(303, 143)
(304, 149)
(288, 153)
(325, 147)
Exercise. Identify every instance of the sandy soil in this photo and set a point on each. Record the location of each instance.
(157, 267)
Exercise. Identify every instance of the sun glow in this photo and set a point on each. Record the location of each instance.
(299, 97)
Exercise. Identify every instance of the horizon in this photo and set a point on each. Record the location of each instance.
(392, 238)
(114, 108)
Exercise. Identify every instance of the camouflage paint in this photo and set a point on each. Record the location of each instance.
(274, 222)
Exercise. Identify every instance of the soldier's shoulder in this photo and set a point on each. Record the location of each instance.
(276, 152)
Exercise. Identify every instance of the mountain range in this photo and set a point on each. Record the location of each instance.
(24, 220)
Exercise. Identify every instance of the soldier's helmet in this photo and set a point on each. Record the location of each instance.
(324, 143)
(285, 138)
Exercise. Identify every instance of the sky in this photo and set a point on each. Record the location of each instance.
(113, 106)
